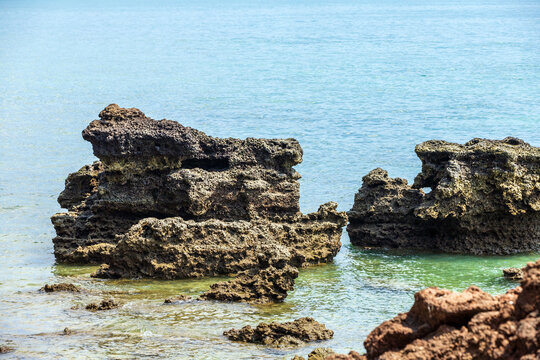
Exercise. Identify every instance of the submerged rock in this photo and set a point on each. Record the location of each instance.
(287, 334)
(103, 305)
(257, 285)
(169, 201)
(513, 273)
(177, 298)
(469, 325)
(484, 199)
(60, 287)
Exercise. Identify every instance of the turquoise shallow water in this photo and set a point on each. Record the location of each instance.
(358, 83)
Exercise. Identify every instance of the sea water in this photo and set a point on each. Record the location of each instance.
(358, 83)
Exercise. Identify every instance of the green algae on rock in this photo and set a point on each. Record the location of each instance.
(484, 199)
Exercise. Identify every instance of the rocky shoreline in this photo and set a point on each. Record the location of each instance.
(472, 324)
(166, 201)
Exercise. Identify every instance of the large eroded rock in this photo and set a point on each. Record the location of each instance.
(484, 199)
(169, 201)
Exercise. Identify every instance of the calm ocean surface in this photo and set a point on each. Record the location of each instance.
(358, 83)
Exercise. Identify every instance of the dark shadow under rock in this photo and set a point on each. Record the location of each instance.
(256, 286)
(287, 334)
(60, 287)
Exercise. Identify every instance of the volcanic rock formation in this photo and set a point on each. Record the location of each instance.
(169, 201)
(469, 325)
(484, 199)
(292, 333)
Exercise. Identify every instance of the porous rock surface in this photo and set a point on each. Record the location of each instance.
(513, 273)
(168, 201)
(287, 334)
(484, 199)
(103, 305)
(257, 285)
(469, 325)
(60, 287)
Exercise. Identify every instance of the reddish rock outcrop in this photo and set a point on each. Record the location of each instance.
(287, 334)
(469, 325)
(484, 199)
(168, 201)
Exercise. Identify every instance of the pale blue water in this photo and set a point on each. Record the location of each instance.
(358, 83)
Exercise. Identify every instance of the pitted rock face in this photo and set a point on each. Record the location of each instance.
(287, 334)
(169, 201)
(122, 134)
(258, 285)
(484, 199)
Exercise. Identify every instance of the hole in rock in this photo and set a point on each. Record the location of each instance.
(206, 164)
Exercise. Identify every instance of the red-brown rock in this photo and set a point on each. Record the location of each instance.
(469, 325)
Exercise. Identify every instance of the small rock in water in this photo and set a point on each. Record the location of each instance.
(60, 287)
(177, 298)
(103, 305)
(320, 354)
(256, 286)
(5, 349)
(513, 273)
(293, 333)
(353, 355)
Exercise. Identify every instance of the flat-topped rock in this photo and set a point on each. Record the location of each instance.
(484, 198)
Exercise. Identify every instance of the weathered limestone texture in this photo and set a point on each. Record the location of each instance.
(168, 201)
(287, 334)
(484, 199)
(469, 325)
(256, 285)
